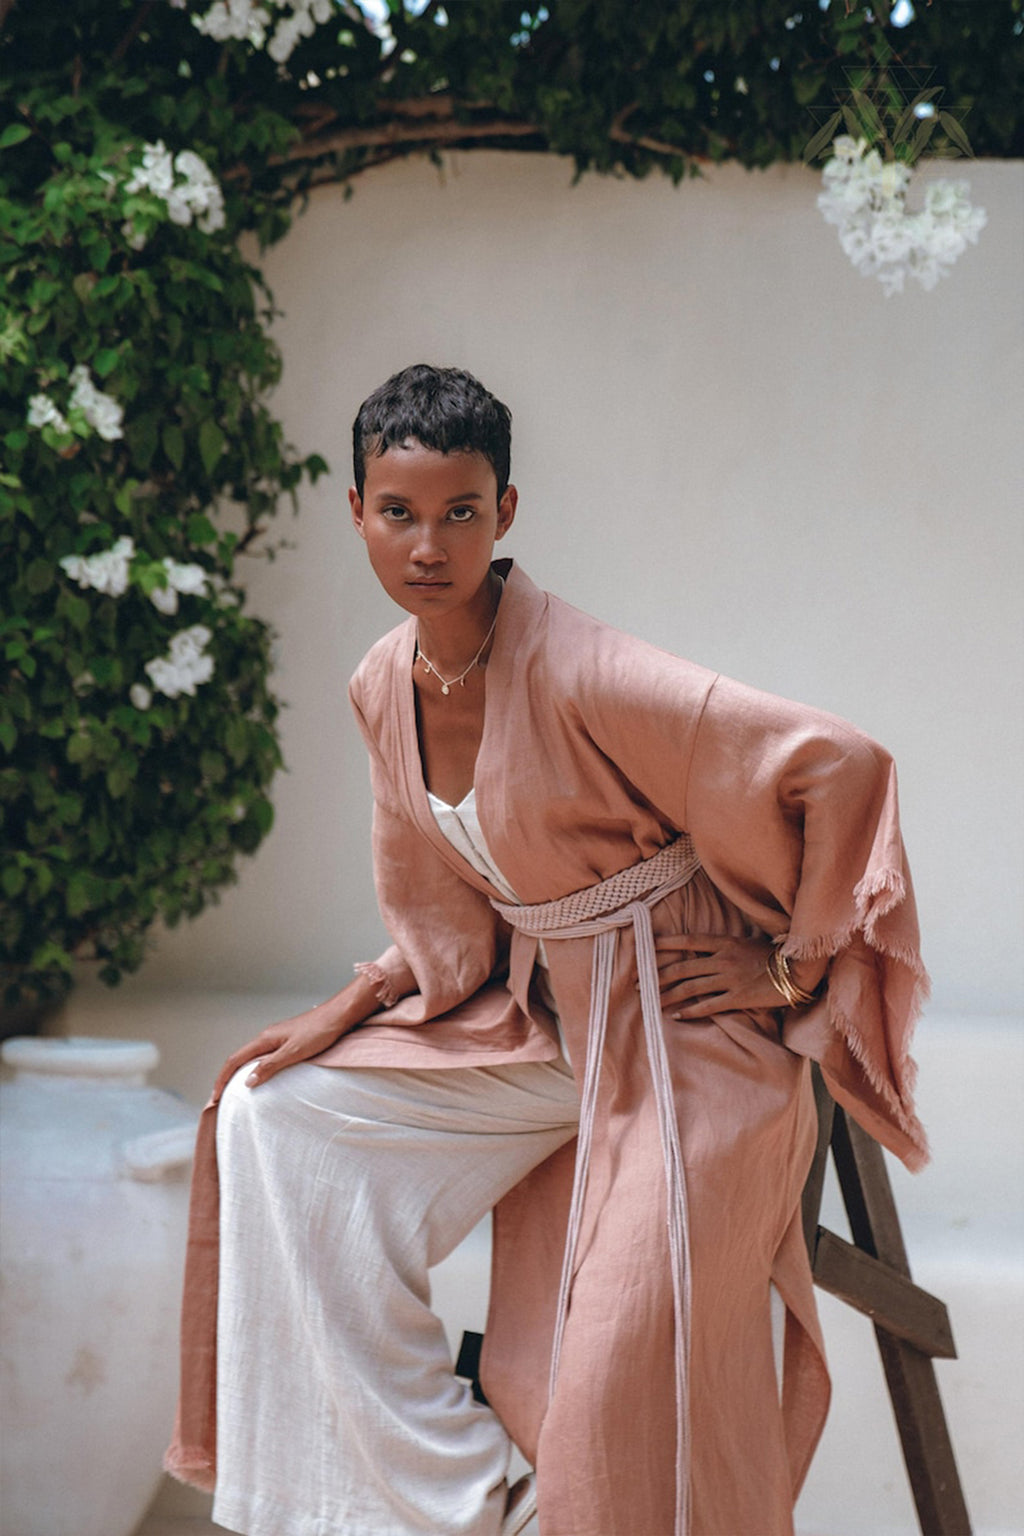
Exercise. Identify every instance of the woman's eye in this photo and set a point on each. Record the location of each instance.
(394, 514)
(462, 514)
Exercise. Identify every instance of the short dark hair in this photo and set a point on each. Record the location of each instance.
(442, 408)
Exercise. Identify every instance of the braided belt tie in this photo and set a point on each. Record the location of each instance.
(599, 912)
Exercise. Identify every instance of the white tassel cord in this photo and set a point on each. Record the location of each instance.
(559, 919)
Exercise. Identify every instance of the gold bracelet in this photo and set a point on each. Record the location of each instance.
(781, 978)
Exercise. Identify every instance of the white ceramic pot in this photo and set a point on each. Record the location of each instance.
(93, 1209)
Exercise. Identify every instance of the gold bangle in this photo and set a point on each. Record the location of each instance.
(781, 977)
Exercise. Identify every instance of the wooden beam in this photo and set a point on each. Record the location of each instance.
(909, 1372)
(892, 1301)
(815, 1184)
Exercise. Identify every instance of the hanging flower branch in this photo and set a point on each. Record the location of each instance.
(870, 172)
(866, 199)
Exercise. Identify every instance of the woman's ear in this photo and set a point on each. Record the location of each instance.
(506, 511)
(355, 501)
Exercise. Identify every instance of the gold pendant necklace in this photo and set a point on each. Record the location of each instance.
(448, 683)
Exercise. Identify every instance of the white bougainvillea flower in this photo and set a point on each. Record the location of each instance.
(108, 572)
(247, 21)
(186, 665)
(140, 695)
(198, 193)
(185, 184)
(241, 20)
(101, 411)
(866, 199)
(187, 579)
(43, 413)
(156, 173)
(164, 600)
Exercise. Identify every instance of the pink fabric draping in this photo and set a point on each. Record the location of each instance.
(597, 751)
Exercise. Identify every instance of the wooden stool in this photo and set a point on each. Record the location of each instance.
(872, 1275)
(911, 1326)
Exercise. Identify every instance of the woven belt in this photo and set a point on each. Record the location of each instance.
(599, 912)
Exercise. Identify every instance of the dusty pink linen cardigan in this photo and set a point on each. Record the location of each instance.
(598, 749)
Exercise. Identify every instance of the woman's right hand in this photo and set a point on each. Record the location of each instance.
(300, 1038)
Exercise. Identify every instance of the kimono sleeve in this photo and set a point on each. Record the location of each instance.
(446, 935)
(795, 816)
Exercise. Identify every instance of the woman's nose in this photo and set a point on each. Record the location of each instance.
(428, 547)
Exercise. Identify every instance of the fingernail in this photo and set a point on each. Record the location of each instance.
(252, 1080)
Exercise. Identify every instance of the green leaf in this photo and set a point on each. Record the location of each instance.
(236, 739)
(8, 735)
(119, 777)
(822, 139)
(123, 497)
(73, 608)
(262, 813)
(199, 529)
(213, 767)
(142, 439)
(211, 444)
(173, 440)
(956, 133)
(38, 577)
(50, 956)
(78, 897)
(80, 747)
(105, 361)
(69, 810)
(15, 133)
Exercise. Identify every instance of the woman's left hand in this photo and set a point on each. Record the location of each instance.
(715, 973)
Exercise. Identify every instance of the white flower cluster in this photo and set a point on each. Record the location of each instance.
(186, 663)
(43, 413)
(189, 579)
(102, 412)
(108, 572)
(185, 666)
(249, 21)
(185, 183)
(866, 198)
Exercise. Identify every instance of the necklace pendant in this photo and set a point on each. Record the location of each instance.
(445, 689)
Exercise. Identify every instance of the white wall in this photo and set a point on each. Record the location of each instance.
(725, 440)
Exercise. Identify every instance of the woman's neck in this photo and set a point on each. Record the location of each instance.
(451, 641)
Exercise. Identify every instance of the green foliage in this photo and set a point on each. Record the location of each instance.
(115, 810)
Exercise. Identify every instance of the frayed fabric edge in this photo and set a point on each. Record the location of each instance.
(899, 1101)
(191, 1465)
(890, 885)
(386, 994)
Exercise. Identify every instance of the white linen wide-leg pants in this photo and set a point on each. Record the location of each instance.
(338, 1413)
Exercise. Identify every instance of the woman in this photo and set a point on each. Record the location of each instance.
(625, 895)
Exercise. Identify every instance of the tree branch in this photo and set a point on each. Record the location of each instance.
(133, 31)
(395, 135)
(617, 132)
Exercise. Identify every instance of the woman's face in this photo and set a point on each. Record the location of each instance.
(430, 521)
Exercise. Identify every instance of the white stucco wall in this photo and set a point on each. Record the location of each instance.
(729, 442)
(725, 440)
